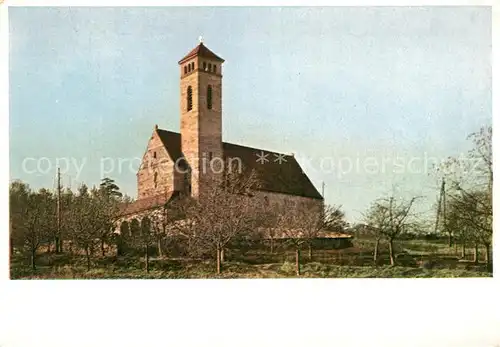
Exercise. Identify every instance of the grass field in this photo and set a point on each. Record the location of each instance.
(353, 262)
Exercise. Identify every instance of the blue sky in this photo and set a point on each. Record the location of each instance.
(339, 87)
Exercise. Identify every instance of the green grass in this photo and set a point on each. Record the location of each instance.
(130, 268)
(415, 259)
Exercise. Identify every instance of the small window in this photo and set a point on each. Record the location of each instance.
(215, 68)
(210, 156)
(156, 179)
(189, 67)
(209, 67)
(189, 97)
(209, 97)
(192, 65)
(185, 69)
(154, 155)
(204, 66)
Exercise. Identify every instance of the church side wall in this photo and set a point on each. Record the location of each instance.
(281, 200)
(161, 167)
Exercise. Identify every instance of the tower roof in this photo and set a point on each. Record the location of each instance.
(201, 51)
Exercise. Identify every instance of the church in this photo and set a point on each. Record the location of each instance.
(179, 164)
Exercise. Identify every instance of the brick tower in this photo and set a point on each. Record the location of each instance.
(201, 116)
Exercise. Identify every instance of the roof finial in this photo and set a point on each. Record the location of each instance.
(200, 38)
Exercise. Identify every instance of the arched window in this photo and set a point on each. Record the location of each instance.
(215, 68)
(209, 67)
(209, 97)
(204, 66)
(185, 69)
(192, 65)
(189, 98)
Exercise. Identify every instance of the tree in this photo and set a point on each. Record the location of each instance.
(454, 225)
(471, 180)
(376, 220)
(144, 239)
(109, 187)
(18, 200)
(330, 219)
(389, 218)
(223, 212)
(108, 197)
(32, 218)
(87, 220)
(474, 214)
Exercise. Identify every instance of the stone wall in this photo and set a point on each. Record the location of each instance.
(272, 199)
(156, 163)
(201, 128)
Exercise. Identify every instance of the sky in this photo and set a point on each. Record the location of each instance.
(367, 99)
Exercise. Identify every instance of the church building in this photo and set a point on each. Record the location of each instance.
(178, 164)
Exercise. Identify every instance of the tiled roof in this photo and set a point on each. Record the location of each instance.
(202, 51)
(146, 203)
(280, 176)
(172, 143)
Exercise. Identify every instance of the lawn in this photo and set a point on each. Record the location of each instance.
(354, 262)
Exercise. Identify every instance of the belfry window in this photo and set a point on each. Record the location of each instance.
(215, 68)
(204, 66)
(189, 97)
(192, 65)
(209, 97)
(209, 67)
(185, 69)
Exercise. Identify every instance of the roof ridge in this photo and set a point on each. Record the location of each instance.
(234, 144)
(257, 149)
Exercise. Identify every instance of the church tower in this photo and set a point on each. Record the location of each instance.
(201, 116)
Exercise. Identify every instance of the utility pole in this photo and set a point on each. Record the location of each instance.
(440, 206)
(444, 214)
(59, 247)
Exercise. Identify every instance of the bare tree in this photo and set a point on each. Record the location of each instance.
(86, 221)
(390, 218)
(330, 219)
(472, 181)
(159, 227)
(32, 218)
(294, 225)
(377, 219)
(225, 211)
(475, 215)
(300, 224)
